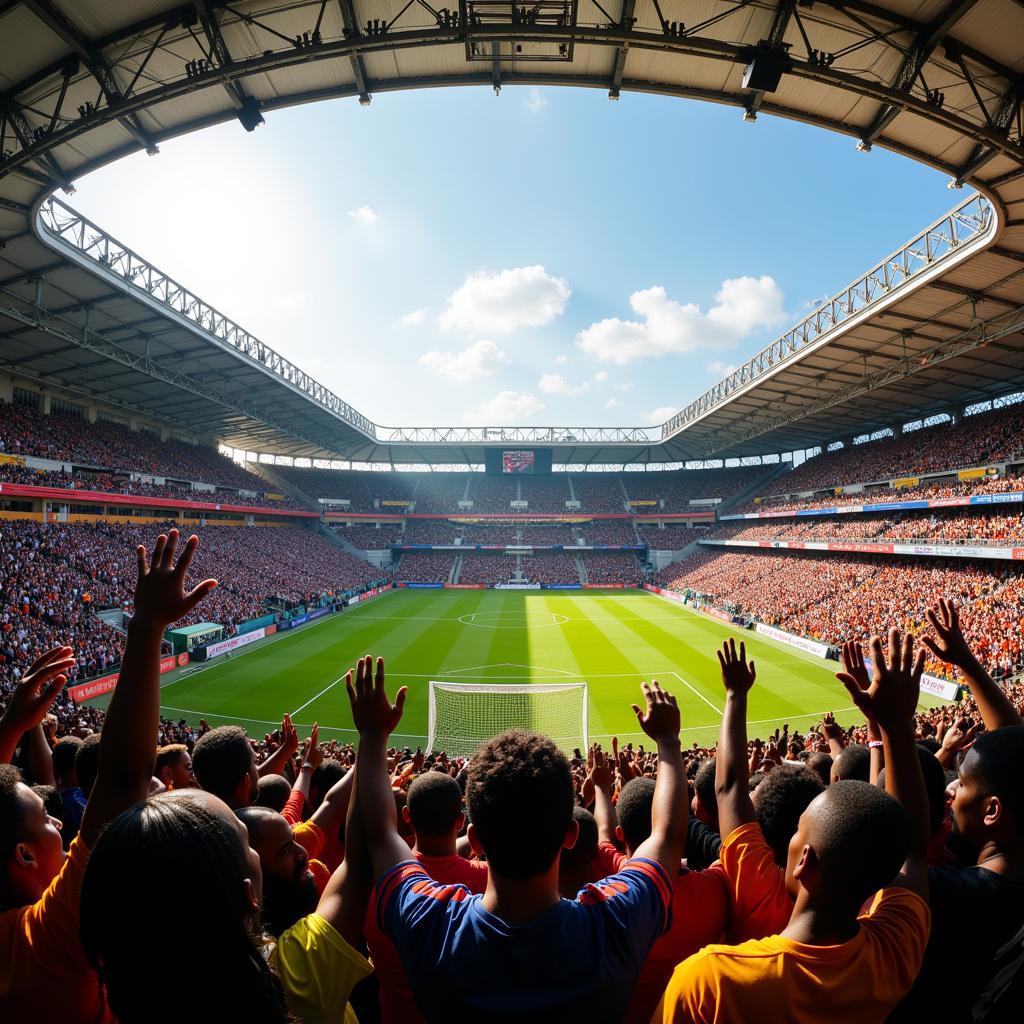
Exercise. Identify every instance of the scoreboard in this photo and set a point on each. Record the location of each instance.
(517, 461)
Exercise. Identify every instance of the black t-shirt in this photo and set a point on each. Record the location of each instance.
(974, 913)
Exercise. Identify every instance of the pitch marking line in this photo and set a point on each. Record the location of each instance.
(318, 696)
(501, 664)
(714, 707)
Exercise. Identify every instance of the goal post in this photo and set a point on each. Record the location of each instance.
(464, 715)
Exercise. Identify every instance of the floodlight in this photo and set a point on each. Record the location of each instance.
(249, 114)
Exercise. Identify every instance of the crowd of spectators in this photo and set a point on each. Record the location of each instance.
(551, 568)
(369, 537)
(65, 437)
(490, 569)
(608, 531)
(613, 567)
(545, 493)
(341, 485)
(431, 531)
(976, 440)
(863, 870)
(948, 527)
(599, 492)
(424, 567)
(539, 534)
(671, 537)
(438, 493)
(835, 598)
(491, 493)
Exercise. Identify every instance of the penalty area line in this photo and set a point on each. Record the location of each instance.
(693, 689)
(326, 689)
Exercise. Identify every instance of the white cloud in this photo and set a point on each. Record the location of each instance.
(478, 359)
(742, 305)
(626, 385)
(612, 403)
(719, 366)
(659, 415)
(601, 376)
(506, 300)
(364, 214)
(535, 100)
(506, 409)
(413, 317)
(561, 360)
(556, 384)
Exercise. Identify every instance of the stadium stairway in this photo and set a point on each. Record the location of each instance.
(453, 576)
(581, 569)
(283, 486)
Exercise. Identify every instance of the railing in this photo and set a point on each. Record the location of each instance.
(70, 227)
(941, 240)
(520, 435)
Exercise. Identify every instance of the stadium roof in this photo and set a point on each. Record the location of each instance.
(939, 324)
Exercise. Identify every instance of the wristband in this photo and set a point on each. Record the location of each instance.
(874, 744)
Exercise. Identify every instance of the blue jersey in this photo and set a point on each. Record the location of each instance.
(577, 961)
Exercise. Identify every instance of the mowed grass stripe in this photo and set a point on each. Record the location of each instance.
(612, 641)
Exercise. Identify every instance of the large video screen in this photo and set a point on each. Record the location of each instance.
(517, 462)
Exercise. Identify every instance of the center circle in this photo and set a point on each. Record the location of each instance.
(513, 620)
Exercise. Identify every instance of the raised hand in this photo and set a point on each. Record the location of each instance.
(831, 728)
(311, 752)
(289, 736)
(960, 736)
(737, 675)
(660, 718)
(160, 595)
(372, 711)
(601, 770)
(895, 689)
(948, 644)
(38, 689)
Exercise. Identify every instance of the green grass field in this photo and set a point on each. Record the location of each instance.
(610, 640)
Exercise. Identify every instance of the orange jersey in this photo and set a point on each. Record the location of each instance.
(757, 885)
(44, 972)
(779, 981)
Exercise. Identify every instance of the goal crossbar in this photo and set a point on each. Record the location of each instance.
(464, 715)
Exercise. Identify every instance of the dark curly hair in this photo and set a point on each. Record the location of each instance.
(520, 799)
(779, 801)
(221, 759)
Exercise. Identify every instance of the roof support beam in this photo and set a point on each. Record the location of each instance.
(1000, 123)
(496, 66)
(625, 22)
(79, 44)
(780, 22)
(923, 47)
(351, 28)
(240, 99)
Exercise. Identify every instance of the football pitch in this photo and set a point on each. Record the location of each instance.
(611, 640)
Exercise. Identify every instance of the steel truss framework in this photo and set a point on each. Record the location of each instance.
(125, 79)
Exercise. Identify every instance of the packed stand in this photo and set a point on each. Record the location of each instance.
(487, 569)
(671, 538)
(441, 492)
(608, 531)
(551, 568)
(368, 537)
(547, 535)
(599, 492)
(618, 567)
(424, 567)
(490, 493)
(977, 440)
(427, 531)
(545, 493)
(340, 485)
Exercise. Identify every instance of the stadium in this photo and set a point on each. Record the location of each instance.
(863, 467)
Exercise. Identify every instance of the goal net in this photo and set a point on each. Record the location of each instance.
(464, 715)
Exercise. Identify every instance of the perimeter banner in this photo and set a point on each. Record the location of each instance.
(801, 642)
(233, 644)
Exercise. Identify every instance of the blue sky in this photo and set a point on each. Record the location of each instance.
(540, 257)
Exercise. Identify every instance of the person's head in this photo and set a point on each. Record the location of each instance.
(634, 812)
(988, 808)
(87, 763)
(821, 764)
(520, 800)
(225, 764)
(65, 751)
(574, 862)
(289, 889)
(50, 795)
(174, 766)
(176, 872)
(324, 777)
(705, 801)
(273, 792)
(934, 784)
(849, 843)
(779, 801)
(852, 762)
(31, 851)
(433, 808)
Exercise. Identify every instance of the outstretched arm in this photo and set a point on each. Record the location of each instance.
(335, 805)
(129, 737)
(375, 718)
(670, 809)
(855, 673)
(949, 645)
(891, 701)
(732, 777)
(604, 809)
(32, 698)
